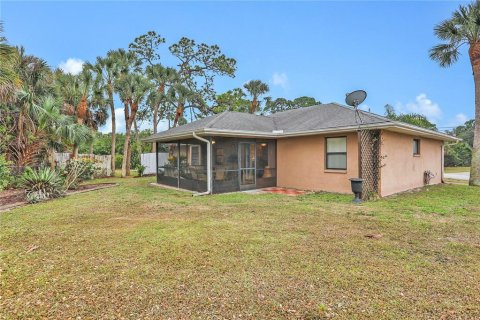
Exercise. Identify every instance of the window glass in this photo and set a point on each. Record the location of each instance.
(416, 146)
(336, 157)
(337, 161)
(337, 144)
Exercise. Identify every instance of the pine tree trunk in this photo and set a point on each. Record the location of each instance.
(474, 53)
(114, 140)
(178, 114)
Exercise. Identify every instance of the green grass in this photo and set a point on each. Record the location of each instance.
(138, 251)
(456, 169)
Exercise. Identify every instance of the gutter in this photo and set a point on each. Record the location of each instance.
(209, 165)
(278, 135)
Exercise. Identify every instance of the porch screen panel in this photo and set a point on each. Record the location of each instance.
(193, 165)
(225, 165)
(266, 164)
(167, 170)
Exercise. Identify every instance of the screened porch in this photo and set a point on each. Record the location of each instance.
(237, 164)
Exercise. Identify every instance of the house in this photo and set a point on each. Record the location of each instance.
(315, 148)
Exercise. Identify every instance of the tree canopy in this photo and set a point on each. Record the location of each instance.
(44, 110)
(416, 119)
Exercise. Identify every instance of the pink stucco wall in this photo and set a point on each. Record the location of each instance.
(301, 164)
(402, 170)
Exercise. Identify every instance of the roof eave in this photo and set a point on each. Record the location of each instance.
(278, 135)
(183, 135)
(425, 132)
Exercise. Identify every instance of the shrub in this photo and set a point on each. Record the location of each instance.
(118, 161)
(90, 168)
(141, 170)
(135, 159)
(78, 170)
(458, 155)
(42, 184)
(5, 174)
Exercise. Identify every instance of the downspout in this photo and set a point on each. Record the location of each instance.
(209, 165)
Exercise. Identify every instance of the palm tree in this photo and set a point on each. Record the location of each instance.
(107, 70)
(76, 92)
(9, 79)
(57, 130)
(132, 89)
(97, 113)
(255, 88)
(463, 28)
(162, 78)
(35, 84)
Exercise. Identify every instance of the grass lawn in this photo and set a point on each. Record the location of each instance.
(137, 251)
(456, 169)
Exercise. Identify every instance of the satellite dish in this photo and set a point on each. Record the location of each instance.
(355, 98)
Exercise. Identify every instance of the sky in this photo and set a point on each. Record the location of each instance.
(318, 49)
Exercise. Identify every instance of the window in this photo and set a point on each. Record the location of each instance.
(416, 147)
(195, 155)
(336, 155)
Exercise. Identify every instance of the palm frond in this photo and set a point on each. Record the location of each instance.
(445, 54)
(448, 30)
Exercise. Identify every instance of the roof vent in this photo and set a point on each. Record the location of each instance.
(277, 131)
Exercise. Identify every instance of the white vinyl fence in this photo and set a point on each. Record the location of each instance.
(103, 163)
(149, 161)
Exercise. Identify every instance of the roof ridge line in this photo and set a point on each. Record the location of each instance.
(215, 119)
(365, 112)
(273, 115)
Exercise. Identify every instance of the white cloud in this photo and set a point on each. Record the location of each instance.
(422, 105)
(280, 79)
(459, 119)
(72, 65)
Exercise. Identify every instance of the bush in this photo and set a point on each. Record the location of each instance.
(42, 184)
(78, 170)
(141, 170)
(457, 155)
(118, 161)
(90, 168)
(135, 160)
(5, 174)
